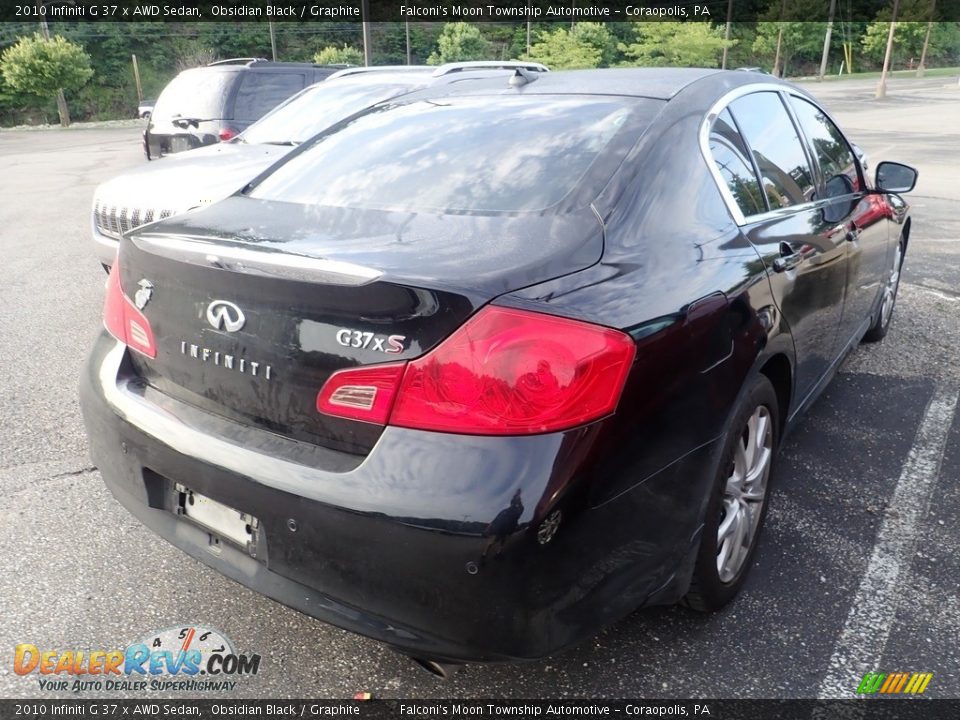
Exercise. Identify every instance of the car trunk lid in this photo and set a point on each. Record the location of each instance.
(254, 304)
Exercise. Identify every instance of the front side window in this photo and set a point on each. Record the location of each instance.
(466, 154)
(833, 154)
(732, 159)
(784, 170)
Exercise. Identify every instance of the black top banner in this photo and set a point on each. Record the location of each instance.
(149, 709)
(564, 11)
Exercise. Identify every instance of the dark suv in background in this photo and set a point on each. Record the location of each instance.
(205, 105)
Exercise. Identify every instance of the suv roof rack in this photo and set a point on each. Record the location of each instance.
(456, 67)
(237, 61)
(361, 70)
(259, 61)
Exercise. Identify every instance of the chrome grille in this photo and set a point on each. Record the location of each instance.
(116, 220)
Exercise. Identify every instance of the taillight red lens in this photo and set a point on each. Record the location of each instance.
(123, 320)
(227, 133)
(365, 393)
(505, 372)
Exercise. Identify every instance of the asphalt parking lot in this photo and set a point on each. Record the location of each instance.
(859, 568)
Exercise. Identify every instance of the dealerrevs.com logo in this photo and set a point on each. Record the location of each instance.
(188, 658)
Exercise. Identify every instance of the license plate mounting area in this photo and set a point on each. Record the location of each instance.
(222, 521)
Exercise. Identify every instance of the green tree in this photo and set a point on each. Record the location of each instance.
(42, 68)
(912, 19)
(561, 49)
(597, 35)
(333, 55)
(694, 44)
(801, 41)
(459, 41)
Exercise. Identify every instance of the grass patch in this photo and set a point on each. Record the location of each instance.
(875, 75)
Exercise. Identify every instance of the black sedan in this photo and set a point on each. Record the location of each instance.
(485, 368)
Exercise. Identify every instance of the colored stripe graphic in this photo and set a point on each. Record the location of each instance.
(894, 683)
(870, 683)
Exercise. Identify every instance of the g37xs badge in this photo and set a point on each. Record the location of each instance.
(390, 344)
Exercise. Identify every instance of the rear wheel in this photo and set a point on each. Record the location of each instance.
(738, 501)
(881, 324)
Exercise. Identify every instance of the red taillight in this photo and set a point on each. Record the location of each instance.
(361, 393)
(505, 372)
(227, 133)
(123, 320)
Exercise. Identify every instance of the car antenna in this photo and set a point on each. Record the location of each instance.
(521, 77)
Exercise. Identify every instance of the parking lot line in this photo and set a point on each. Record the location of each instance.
(861, 643)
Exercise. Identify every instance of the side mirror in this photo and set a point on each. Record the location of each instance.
(895, 177)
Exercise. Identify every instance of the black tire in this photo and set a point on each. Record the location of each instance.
(881, 324)
(708, 591)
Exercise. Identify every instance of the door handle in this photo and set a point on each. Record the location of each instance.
(789, 258)
(853, 233)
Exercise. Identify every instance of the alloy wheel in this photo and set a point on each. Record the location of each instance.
(744, 493)
(890, 290)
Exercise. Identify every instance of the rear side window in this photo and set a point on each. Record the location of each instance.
(466, 154)
(784, 170)
(833, 154)
(732, 159)
(199, 94)
(260, 92)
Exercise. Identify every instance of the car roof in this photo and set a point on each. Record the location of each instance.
(237, 65)
(695, 88)
(653, 83)
(420, 77)
(658, 83)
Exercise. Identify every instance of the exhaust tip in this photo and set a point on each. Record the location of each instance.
(442, 670)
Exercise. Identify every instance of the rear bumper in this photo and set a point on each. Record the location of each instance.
(410, 544)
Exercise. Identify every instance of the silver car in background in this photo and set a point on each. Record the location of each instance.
(196, 178)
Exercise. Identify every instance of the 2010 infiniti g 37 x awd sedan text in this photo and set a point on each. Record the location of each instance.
(483, 368)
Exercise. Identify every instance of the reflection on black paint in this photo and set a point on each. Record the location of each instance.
(504, 524)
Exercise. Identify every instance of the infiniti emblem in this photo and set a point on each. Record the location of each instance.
(224, 315)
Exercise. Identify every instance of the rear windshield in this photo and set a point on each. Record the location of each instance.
(316, 109)
(260, 92)
(466, 154)
(199, 94)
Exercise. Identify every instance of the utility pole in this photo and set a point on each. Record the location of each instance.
(726, 35)
(826, 40)
(62, 108)
(273, 41)
(409, 56)
(365, 21)
(776, 58)
(136, 77)
(923, 54)
(926, 41)
(882, 86)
